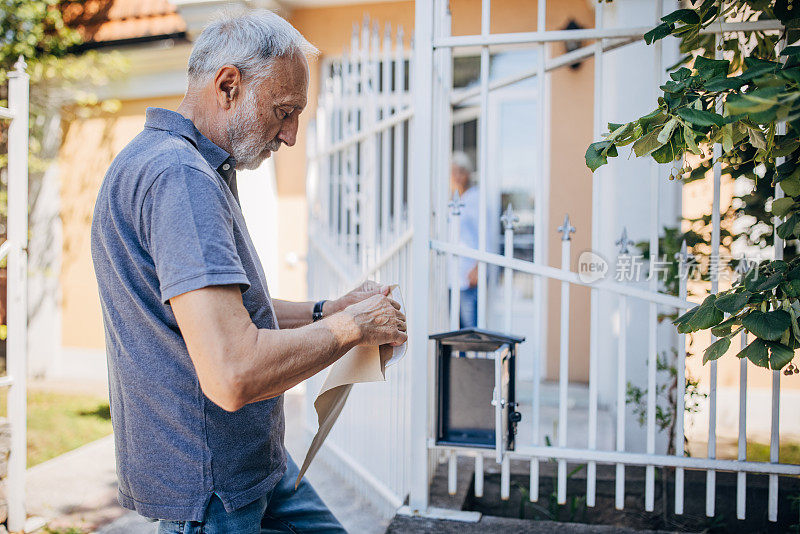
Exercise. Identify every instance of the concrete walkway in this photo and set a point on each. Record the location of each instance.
(79, 489)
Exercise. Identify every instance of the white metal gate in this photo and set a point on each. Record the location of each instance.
(359, 228)
(380, 208)
(15, 250)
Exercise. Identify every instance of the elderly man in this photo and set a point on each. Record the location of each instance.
(197, 364)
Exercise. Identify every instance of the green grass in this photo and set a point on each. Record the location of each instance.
(60, 422)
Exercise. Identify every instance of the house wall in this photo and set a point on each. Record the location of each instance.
(330, 28)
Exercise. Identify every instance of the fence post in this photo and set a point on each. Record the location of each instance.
(422, 84)
(17, 318)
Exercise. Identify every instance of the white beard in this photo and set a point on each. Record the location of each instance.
(244, 135)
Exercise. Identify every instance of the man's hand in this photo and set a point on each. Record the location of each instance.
(362, 292)
(379, 321)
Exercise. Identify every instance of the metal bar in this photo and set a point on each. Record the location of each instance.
(6, 381)
(540, 247)
(479, 475)
(741, 478)
(652, 348)
(558, 274)
(366, 133)
(452, 473)
(17, 318)
(497, 401)
(386, 93)
(619, 502)
(594, 294)
(399, 132)
(550, 64)
(453, 261)
(774, 434)
(505, 479)
(715, 238)
(6, 113)
(524, 452)
(591, 33)
(351, 277)
(483, 162)
(420, 215)
(680, 394)
(563, 368)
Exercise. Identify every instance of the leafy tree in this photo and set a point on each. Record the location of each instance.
(748, 103)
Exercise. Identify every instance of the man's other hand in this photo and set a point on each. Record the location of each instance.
(379, 320)
(362, 292)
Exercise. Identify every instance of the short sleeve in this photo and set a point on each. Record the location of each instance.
(187, 227)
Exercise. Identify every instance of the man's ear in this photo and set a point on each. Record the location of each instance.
(227, 85)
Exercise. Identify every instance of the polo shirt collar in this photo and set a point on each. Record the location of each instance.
(172, 121)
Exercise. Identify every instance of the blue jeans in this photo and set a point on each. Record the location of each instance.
(282, 510)
(469, 307)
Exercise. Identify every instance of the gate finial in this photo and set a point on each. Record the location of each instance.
(623, 242)
(509, 218)
(566, 229)
(456, 204)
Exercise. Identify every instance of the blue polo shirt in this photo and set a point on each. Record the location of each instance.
(167, 221)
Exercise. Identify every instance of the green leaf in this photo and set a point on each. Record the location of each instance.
(732, 303)
(659, 32)
(790, 50)
(787, 229)
(687, 16)
(700, 117)
(762, 282)
(756, 352)
(706, 316)
(781, 206)
(723, 84)
(666, 131)
(779, 355)
(596, 154)
(767, 325)
(689, 139)
(647, 143)
(791, 185)
(724, 328)
(708, 68)
(681, 74)
(686, 316)
(716, 349)
(756, 136)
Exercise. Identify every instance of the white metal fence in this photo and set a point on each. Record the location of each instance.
(15, 250)
(380, 208)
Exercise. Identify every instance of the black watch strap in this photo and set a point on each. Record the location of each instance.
(316, 315)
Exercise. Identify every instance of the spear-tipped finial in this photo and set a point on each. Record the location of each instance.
(566, 229)
(623, 242)
(456, 204)
(509, 218)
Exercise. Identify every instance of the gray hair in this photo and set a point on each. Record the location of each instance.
(462, 161)
(248, 40)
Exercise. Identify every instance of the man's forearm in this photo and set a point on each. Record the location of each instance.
(281, 359)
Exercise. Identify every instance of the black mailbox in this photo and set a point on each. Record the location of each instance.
(476, 404)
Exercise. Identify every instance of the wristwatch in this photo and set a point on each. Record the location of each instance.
(316, 315)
